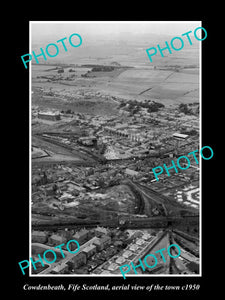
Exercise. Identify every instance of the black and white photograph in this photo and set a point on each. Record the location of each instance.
(117, 152)
(115, 148)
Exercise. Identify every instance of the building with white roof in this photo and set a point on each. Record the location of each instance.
(133, 247)
(52, 116)
(120, 260)
(127, 253)
(112, 267)
(146, 236)
(140, 242)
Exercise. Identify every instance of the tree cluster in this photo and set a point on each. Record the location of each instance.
(184, 109)
(134, 106)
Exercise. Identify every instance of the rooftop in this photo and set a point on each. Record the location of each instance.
(89, 248)
(112, 267)
(180, 135)
(48, 113)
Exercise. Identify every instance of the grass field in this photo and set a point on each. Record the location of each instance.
(167, 86)
(163, 85)
(142, 80)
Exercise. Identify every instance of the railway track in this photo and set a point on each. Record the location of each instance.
(124, 222)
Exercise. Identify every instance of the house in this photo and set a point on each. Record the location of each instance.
(61, 268)
(127, 253)
(89, 250)
(180, 136)
(120, 260)
(102, 243)
(77, 260)
(98, 244)
(56, 240)
(133, 247)
(88, 141)
(100, 231)
(146, 236)
(140, 242)
(81, 236)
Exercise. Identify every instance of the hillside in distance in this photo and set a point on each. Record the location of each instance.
(170, 79)
(127, 49)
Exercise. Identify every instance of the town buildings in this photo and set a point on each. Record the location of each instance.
(132, 144)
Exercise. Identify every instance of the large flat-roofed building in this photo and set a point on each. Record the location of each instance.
(180, 136)
(120, 260)
(52, 116)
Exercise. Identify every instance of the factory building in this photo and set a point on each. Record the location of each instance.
(51, 116)
(180, 136)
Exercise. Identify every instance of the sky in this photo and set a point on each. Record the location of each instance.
(41, 30)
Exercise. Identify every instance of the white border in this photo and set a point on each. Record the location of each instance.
(30, 164)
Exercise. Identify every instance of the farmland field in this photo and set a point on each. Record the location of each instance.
(171, 79)
(167, 86)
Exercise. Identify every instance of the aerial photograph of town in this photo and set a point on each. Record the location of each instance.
(102, 117)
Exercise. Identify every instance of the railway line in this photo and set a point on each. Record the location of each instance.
(152, 199)
(123, 223)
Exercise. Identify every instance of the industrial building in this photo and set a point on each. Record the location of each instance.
(51, 116)
(180, 136)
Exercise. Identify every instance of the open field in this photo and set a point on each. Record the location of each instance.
(171, 79)
(162, 85)
(167, 86)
